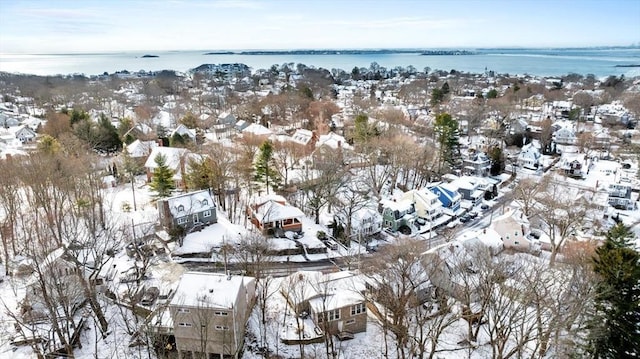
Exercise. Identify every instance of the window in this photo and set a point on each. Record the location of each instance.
(223, 314)
(182, 220)
(180, 208)
(222, 327)
(516, 234)
(358, 309)
(350, 321)
(186, 325)
(206, 214)
(184, 310)
(333, 315)
(205, 202)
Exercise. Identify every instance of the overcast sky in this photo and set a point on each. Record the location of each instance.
(112, 25)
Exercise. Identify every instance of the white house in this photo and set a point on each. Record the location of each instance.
(530, 157)
(565, 136)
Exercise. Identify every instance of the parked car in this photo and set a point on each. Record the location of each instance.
(150, 296)
(473, 214)
(465, 219)
(484, 206)
(331, 244)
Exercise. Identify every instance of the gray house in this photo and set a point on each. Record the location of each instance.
(187, 210)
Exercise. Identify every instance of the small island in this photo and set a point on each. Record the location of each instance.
(446, 52)
(149, 56)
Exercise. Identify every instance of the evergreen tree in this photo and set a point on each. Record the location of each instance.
(265, 173)
(363, 130)
(162, 181)
(448, 135)
(615, 331)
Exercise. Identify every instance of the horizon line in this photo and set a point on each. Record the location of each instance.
(416, 49)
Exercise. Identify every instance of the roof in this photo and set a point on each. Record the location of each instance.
(302, 136)
(173, 155)
(209, 290)
(332, 140)
(257, 130)
(189, 203)
(139, 148)
(271, 211)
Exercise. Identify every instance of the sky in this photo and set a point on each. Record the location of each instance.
(35, 27)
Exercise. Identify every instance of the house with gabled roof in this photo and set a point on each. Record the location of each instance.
(426, 203)
(335, 301)
(479, 164)
(185, 132)
(140, 149)
(209, 313)
(176, 160)
(399, 216)
(449, 196)
(187, 210)
(530, 157)
(273, 216)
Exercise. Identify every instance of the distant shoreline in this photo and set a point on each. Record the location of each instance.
(149, 56)
(315, 52)
(631, 65)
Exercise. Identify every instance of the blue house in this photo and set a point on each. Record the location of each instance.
(448, 195)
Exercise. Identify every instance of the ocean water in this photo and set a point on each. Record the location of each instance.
(540, 62)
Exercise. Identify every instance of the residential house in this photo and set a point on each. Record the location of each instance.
(224, 125)
(450, 198)
(176, 160)
(184, 132)
(530, 157)
(450, 268)
(335, 301)
(364, 222)
(23, 133)
(187, 210)
(426, 204)
(140, 149)
(479, 164)
(573, 169)
(209, 313)
(513, 227)
(273, 216)
(602, 140)
(565, 136)
(620, 196)
(399, 216)
(469, 191)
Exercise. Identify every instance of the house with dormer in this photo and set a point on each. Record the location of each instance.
(187, 210)
(478, 164)
(399, 216)
(426, 204)
(565, 136)
(449, 196)
(530, 157)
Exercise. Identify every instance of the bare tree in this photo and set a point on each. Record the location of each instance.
(563, 212)
(396, 274)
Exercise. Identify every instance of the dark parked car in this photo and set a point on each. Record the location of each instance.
(465, 219)
(150, 296)
(484, 206)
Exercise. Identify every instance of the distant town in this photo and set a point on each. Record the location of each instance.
(301, 212)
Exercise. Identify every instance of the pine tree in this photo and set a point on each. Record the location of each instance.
(448, 134)
(615, 331)
(162, 181)
(265, 173)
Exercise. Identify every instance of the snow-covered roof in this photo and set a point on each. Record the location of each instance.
(257, 130)
(272, 211)
(139, 148)
(174, 155)
(332, 140)
(302, 136)
(189, 203)
(208, 290)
